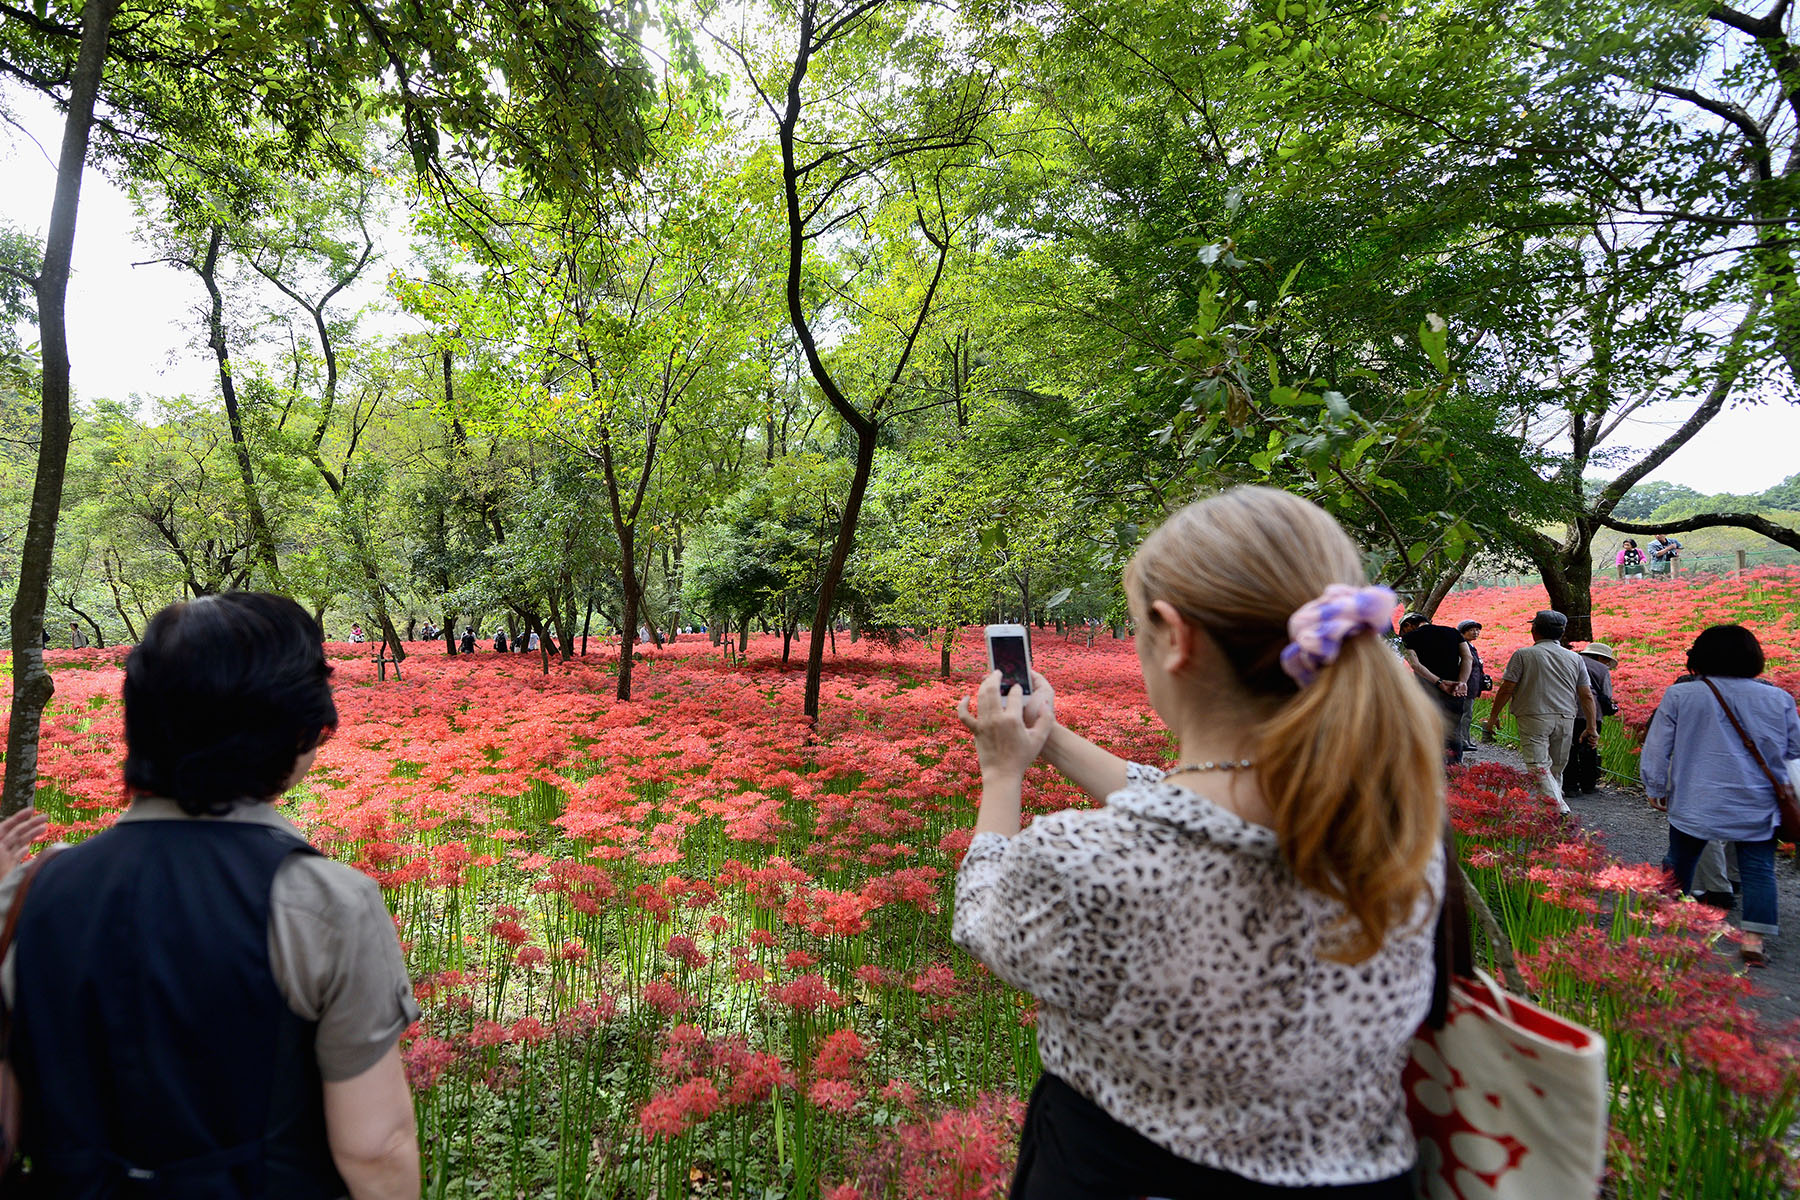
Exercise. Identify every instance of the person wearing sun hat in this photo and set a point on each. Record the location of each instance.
(1582, 775)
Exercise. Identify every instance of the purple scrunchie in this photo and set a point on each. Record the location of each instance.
(1320, 627)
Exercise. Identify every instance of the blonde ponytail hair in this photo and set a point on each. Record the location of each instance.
(1352, 765)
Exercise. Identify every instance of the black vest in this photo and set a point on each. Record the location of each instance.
(155, 1052)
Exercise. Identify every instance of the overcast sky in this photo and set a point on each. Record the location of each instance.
(131, 329)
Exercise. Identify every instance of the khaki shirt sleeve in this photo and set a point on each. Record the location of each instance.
(337, 960)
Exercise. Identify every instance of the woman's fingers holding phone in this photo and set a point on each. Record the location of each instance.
(1042, 701)
(1003, 740)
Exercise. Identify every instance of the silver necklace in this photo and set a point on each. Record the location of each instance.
(1242, 764)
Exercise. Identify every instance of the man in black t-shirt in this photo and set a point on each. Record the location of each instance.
(1442, 660)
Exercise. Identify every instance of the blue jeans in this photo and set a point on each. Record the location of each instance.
(1756, 871)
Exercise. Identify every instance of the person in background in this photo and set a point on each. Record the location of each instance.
(356, 633)
(1548, 688)
(1582, 775)
(1442, 660)
(1479, 683)
(500, 640)
(1696, 768)
(1630, 560)
(203, 1005)
(1664, 550)
(468, 640)
(77, 639)
(1230, 957)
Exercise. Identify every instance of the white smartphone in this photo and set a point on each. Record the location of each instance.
(1010, 654)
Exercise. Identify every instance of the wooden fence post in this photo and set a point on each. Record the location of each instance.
(1740, 558)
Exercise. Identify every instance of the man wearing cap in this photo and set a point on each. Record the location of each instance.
(1548, 688)
(1583, 772)
(1479, 681)
(1441, 659)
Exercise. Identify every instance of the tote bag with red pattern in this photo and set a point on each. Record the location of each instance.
(1508, 1101)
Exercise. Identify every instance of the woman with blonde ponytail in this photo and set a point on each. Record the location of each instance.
(1230, 956)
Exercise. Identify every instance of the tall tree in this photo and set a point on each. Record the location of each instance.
(32, 686)
(886, 156)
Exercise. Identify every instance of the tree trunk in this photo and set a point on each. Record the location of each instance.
(628, 621)
(944, 651)
(586, 622)
(1577, 583)
(1446, 581)
(834, 569)
(32, 687)
(1025, 607)
(450, 634)
(119, 600)
(262, 541)
(743, 634)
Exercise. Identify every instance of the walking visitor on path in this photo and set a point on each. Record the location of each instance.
(1548, 688)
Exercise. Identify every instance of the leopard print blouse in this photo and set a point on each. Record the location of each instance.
(1180, 985)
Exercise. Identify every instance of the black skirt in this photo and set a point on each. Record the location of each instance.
(1072, 1150)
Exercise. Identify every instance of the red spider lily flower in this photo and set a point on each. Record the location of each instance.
(835, 1095)
(426, 1060)
(528, 1031)
(671, 1113)
(805, 994)
(584, 1017)
(902, 1093)
(683, 950)
(668, 999)
(487, 1033)
(800, 960)
(936, 981)
(510, 932)
(759, 1074)
(875, 975)
(839, 1055)
(572, 952)
(531, 956)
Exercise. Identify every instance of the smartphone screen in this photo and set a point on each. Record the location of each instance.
(1010, 661)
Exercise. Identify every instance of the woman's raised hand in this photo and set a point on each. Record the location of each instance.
(1009, 731)
(17, 832)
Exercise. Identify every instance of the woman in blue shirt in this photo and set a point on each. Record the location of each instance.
(1696, 768)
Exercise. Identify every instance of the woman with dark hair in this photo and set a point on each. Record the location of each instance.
(1696, 767)
(203, 1005)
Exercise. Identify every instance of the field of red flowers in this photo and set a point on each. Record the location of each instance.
(1650, 626)
(691, 946)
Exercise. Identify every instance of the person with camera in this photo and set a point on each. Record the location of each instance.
(1664, 550)
(1230, 956)
(201, 1004)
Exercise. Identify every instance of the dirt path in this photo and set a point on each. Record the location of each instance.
(1636, 833)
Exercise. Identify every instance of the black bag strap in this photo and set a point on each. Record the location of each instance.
(1748, 744)
(1453, 950)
